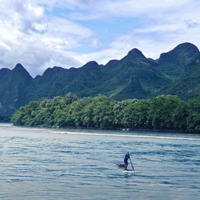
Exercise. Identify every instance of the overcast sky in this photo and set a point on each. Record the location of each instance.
(44, 33)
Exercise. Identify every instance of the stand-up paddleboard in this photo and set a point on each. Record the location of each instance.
(128, 171)
(122, 165)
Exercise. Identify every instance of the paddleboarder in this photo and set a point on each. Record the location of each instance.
(127, 156)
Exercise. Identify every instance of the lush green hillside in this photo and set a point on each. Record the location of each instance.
(162, 112)
(134, 76)
(181, 59)
(187, 87)
(16, 89)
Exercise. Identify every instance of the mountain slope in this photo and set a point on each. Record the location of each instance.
(16, 89)
(134, 76)
(187, 86)
(87, 80)
(134, 64)
(179, 60)
(53, 81)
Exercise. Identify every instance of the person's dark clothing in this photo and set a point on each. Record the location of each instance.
(126, 160)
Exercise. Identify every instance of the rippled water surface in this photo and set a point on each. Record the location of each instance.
(65, 164)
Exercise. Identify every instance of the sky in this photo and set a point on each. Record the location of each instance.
(41, 34)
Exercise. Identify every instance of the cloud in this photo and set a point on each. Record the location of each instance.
(160, 26)
(37, 40)
(29, 18)
(191, 24)
(68, 33)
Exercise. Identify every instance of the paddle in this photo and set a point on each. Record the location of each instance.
(131, 164)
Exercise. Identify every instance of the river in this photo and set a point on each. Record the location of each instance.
(53, 164)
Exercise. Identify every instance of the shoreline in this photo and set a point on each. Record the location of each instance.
(129, 130)
(135, 135)
(111, 133)
(112, 129)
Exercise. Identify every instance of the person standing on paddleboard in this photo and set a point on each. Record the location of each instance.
(127, 156)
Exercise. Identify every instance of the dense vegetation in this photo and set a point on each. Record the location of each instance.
(162, 112)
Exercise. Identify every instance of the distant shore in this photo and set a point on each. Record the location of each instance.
(117, 129)
(134, 130)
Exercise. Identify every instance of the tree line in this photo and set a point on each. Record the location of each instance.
(166, 112)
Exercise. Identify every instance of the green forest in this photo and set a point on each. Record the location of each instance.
(165, 112)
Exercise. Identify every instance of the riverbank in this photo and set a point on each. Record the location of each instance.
(115, 129)
(131, 129)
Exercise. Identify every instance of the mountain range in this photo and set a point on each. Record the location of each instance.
(176, 72)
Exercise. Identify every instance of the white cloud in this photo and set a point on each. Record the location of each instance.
(162, 26)
(36, 40)
(40, 33)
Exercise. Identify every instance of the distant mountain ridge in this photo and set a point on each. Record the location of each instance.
(176, 72)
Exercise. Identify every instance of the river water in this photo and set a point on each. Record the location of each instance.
(51, 164)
